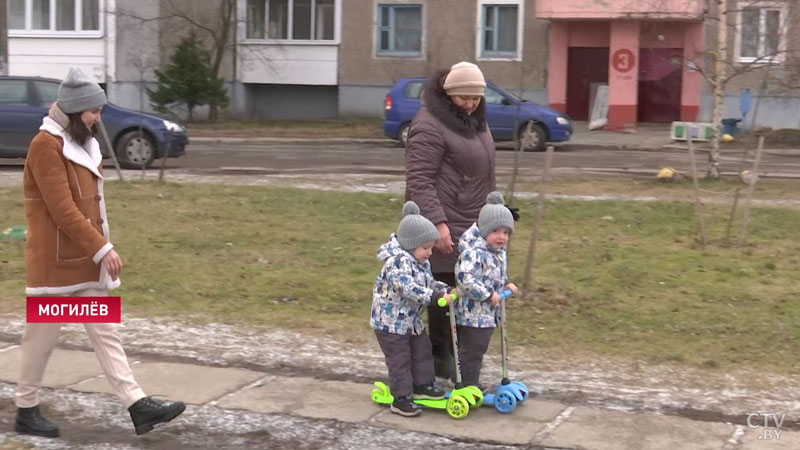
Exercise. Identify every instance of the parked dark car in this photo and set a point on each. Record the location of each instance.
(24, 101)
(508, 115)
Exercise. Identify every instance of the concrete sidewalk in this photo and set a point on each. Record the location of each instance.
(534, 424)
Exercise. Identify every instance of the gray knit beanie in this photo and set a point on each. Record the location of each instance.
(79, 92)
(494, 215)
(415, 230)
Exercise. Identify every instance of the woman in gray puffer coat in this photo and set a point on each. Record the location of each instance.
(450, 160)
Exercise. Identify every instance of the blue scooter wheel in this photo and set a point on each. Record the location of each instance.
(520, 390)
(505, 401)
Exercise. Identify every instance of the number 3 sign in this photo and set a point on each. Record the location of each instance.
(623, 60)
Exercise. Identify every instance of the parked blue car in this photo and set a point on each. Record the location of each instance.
(508, 115)
(24, 101)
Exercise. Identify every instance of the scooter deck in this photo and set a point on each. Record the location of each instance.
(471, 394)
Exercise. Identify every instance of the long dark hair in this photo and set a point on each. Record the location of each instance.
(77, 130)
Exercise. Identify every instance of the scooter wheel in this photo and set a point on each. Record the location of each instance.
(381, 393)
(521, 390)
(457, 407)
(505, 401)
(478, 399)
(471, 393)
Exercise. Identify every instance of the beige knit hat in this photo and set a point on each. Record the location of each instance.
(464, 79)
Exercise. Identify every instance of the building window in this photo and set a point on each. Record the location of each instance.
(399, 30)
(499, 31)
(256, 10)
(761, 33)
(303, 20)
(54, 17)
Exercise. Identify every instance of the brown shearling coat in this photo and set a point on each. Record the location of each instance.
(450, 162)
(65, 211)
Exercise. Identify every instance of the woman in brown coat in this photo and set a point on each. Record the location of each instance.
(450, 159)
(69, 253)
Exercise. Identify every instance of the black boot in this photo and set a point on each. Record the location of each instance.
(148, 412)
(405, 407)
(30, 421)
(444, 365)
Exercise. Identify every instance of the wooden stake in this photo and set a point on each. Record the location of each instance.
(528, 277)
(736, 196)
(698, 204)
(750, 190)
(110, 148)
(164, 156)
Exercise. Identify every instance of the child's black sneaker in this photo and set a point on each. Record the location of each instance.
(429, 391)
(405, 407)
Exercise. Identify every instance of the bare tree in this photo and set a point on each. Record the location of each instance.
(772, 52)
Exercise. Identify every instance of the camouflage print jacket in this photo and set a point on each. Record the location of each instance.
(403, 288)
(480, 271)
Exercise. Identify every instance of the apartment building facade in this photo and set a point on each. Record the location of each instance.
(336, 58)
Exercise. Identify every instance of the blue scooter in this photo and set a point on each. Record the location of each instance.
(509, 393)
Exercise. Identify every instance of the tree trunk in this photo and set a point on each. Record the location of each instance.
(719, 87)
(213, 112)
(226, 10)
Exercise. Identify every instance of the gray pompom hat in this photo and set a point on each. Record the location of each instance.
(79, 92)
(415, 230)
(494, 215)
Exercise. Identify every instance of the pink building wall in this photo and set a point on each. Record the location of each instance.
(557, 66)
(588, 34)
(625, 37)
(692, 83)
(623, 75)
(619, 9)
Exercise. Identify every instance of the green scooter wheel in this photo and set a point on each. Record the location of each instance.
(457, 407)
(381, 393)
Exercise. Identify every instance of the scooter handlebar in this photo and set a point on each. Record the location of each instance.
(443, 300)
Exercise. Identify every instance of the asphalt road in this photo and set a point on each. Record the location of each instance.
(378, 158)
(389, 159)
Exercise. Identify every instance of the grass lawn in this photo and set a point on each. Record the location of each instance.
(613, 278)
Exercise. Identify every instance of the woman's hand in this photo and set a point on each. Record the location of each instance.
(112, 263)
(445, 242)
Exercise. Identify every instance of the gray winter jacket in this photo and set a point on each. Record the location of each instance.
(403, 288)
(450, 159)
(480, 272)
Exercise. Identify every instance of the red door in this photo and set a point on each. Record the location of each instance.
(660, 78)
(585, 67)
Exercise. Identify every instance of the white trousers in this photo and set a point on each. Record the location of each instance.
(40, 339)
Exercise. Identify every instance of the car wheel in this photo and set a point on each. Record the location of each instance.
(135, 150)
(402, 135)
(532, 136)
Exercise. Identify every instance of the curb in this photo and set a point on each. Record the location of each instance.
(284, 140)
(569, 145)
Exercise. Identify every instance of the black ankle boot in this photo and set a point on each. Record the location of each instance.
(30, 421)
(148, 412)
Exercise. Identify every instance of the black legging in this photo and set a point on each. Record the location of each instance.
(439, 323)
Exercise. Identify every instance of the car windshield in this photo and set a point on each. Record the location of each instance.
(48, 92)
(508, 94)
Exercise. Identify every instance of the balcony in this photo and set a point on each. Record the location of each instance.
(619, 9)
